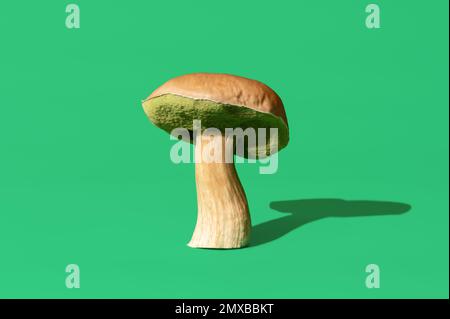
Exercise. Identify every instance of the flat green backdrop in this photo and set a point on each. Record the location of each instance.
(86, 179)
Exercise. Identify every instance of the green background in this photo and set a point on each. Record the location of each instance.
(86, 179)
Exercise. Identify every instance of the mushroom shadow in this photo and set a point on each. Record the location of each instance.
(303, 211)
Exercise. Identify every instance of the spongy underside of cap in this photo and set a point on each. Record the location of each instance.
(169, 112)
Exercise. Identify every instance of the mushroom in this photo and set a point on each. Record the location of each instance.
(220, 101)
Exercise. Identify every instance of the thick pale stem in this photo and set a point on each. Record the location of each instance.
(223, 219)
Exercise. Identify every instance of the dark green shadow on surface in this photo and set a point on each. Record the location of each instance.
(303, 211)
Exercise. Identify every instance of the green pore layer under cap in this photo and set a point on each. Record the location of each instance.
(171, 111)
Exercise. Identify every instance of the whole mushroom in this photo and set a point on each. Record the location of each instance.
(220, 101)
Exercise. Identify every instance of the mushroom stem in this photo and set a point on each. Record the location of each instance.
(223, 219)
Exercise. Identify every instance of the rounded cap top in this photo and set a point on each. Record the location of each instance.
(225, 89)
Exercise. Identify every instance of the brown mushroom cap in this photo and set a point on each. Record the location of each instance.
(218, 100)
